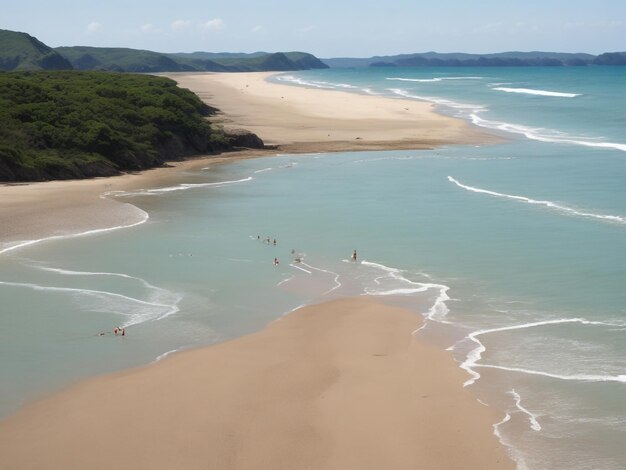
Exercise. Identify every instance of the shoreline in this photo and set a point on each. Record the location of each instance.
(69, 208)
(295, 120)
(299, 119)
(336, 385)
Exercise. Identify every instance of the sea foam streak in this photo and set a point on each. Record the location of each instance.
(472, 358)
(530, 91)
(434, 79)
(472, 111)
(539, 134)
(158, 296)
(180, 187)
(534, 424)
(549, 204)
(138, 311)
(437, 312)
(21, 244)
(514, 453)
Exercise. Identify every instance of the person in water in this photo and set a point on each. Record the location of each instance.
(276, 262)
(354, 255)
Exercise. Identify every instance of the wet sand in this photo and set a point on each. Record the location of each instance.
(340, 385)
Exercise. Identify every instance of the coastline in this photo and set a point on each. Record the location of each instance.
(458, 430)
(295, 120)
(336, 385)
(305, 119)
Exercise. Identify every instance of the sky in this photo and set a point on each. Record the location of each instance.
(326, 28)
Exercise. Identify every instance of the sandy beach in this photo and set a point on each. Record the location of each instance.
(295, 119)
(342, 385)
(301, 119)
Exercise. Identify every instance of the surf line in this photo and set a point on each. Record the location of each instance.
(549, 204)
(23, 244)
(472, 358)
(134, 318)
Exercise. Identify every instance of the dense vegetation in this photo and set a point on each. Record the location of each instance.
(69, 124)
(20, 51)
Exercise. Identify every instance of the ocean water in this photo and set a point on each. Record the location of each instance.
(514, 254)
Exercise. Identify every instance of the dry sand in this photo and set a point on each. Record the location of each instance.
(340, 386)
(299, 119)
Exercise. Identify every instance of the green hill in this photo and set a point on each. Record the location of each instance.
(611, 58)
(134, 60)
(71, 124)
(20, 51)
(120, 59)
(255, 62)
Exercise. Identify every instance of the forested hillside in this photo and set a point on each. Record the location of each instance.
(70, 124)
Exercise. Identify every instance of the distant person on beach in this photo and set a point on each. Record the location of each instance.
(354, 256)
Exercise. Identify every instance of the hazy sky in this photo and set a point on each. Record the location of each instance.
(323, 27)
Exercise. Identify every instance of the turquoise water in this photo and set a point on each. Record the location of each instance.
(514, 253)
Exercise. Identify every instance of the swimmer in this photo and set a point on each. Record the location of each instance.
(354, 256)
(276, 262)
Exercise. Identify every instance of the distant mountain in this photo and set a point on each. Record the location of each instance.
(611, 58)
(120, 59)
(434, 59)
(135, 60)
(21, 51)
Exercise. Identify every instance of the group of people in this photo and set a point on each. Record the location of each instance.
(267, 240)
(117, 331)
(297, 259)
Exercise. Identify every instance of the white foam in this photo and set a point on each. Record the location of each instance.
(314, 83)
(573, 378)
(513, 452)
(472, 358)
(140, 311)
(437, 312)
(335, 278)
(549, 204)
(434, 79)
(440, 101)
(471, 111)
(263, 170)
(301, 269)
(532, 418)
(165, 354)
(530, 91)
(180, 187)
(284, 281)
(22, 244)
(541, 135)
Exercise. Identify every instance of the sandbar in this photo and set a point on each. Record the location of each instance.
(340, 385)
